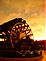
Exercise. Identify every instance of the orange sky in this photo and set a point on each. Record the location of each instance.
(31, 10)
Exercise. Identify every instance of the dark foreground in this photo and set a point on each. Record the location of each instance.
(40, 58)
(22, 59)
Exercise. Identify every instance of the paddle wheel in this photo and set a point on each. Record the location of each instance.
(21, 37)
(19, 31)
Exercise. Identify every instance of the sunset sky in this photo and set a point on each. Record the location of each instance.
(33, 11)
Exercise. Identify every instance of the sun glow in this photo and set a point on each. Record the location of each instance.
(38, 39)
